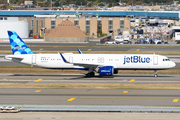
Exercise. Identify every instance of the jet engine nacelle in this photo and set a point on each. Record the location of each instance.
(106, 71)
(115, 71)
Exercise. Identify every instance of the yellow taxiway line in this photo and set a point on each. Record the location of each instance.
(175, 100)
(37, 91)
(132, 80)
(125, 91)
(38, 80)
(71, 99)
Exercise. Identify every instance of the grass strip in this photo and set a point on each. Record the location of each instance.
(90, 86)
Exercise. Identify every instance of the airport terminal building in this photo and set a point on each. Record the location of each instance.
(91, 23)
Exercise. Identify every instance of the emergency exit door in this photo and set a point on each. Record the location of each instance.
(155, 60)
(33, 59)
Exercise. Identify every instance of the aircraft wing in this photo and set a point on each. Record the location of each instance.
(81, 64)
(86, 65)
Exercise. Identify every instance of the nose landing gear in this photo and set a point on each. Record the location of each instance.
(155, 74)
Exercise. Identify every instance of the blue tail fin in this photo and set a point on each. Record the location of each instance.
(17, 44)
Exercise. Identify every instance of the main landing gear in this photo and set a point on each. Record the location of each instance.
(90, 73)
(155, 74)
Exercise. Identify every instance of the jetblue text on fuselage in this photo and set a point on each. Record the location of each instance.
(136, 59)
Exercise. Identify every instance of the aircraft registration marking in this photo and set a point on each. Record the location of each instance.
(137, 49)
(125, 91)
(37, 91)
(38, 80)
(175, 100)
(132, 80)
(71, 99)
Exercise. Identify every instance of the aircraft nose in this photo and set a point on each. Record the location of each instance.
(173, 64)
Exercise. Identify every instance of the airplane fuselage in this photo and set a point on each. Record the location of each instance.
(118, 61)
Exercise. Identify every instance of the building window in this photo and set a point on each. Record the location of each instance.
(32, 23)
(37, 26)
(88, 27)
(99, 22)
(99, 25)
(110, 24)
(76, 22)
(5, 18)
(121, 23)
(99, 28)
(1, 18)
(87, 23)
(41, 22)
(53, 24)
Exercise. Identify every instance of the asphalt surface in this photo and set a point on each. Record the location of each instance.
(89, 97)
(80, 78)
(88, 116)
(92, 45)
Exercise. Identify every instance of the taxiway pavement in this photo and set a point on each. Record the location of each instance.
(80, 78)
(90, 97)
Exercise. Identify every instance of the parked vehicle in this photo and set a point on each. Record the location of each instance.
(119, 39)
(110, 42)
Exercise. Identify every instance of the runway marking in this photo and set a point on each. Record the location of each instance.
(137, 49)
(41, 49)
(71, 99)
(175, 100)
(125, 91)
(132, 80)
(38, 80)
(37, 91)
(89, 49)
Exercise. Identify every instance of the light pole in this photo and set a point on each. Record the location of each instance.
(51, 4)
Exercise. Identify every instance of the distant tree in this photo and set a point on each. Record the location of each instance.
(110, 5)
(47, 4)
(101, 4)
(4, 7)
(56, 4)
(79, 2)
(138, 3)
(90, 4)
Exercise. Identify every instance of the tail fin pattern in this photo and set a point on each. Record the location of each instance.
(17, 44)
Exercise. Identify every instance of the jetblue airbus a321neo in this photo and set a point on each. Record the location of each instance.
(104, 64)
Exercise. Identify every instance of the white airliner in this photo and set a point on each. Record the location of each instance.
(104, 64)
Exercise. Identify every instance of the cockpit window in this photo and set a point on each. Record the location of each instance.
(166, 59)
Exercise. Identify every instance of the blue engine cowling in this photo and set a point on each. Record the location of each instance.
(106, 71)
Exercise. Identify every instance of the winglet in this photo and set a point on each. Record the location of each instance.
(64, 58)
(79, 51)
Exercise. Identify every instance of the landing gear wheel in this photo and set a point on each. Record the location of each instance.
(91, 74)
(155, 75)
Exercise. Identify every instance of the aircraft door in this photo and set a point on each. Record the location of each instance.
(71, 59)
(33, 59)
(155, 60)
